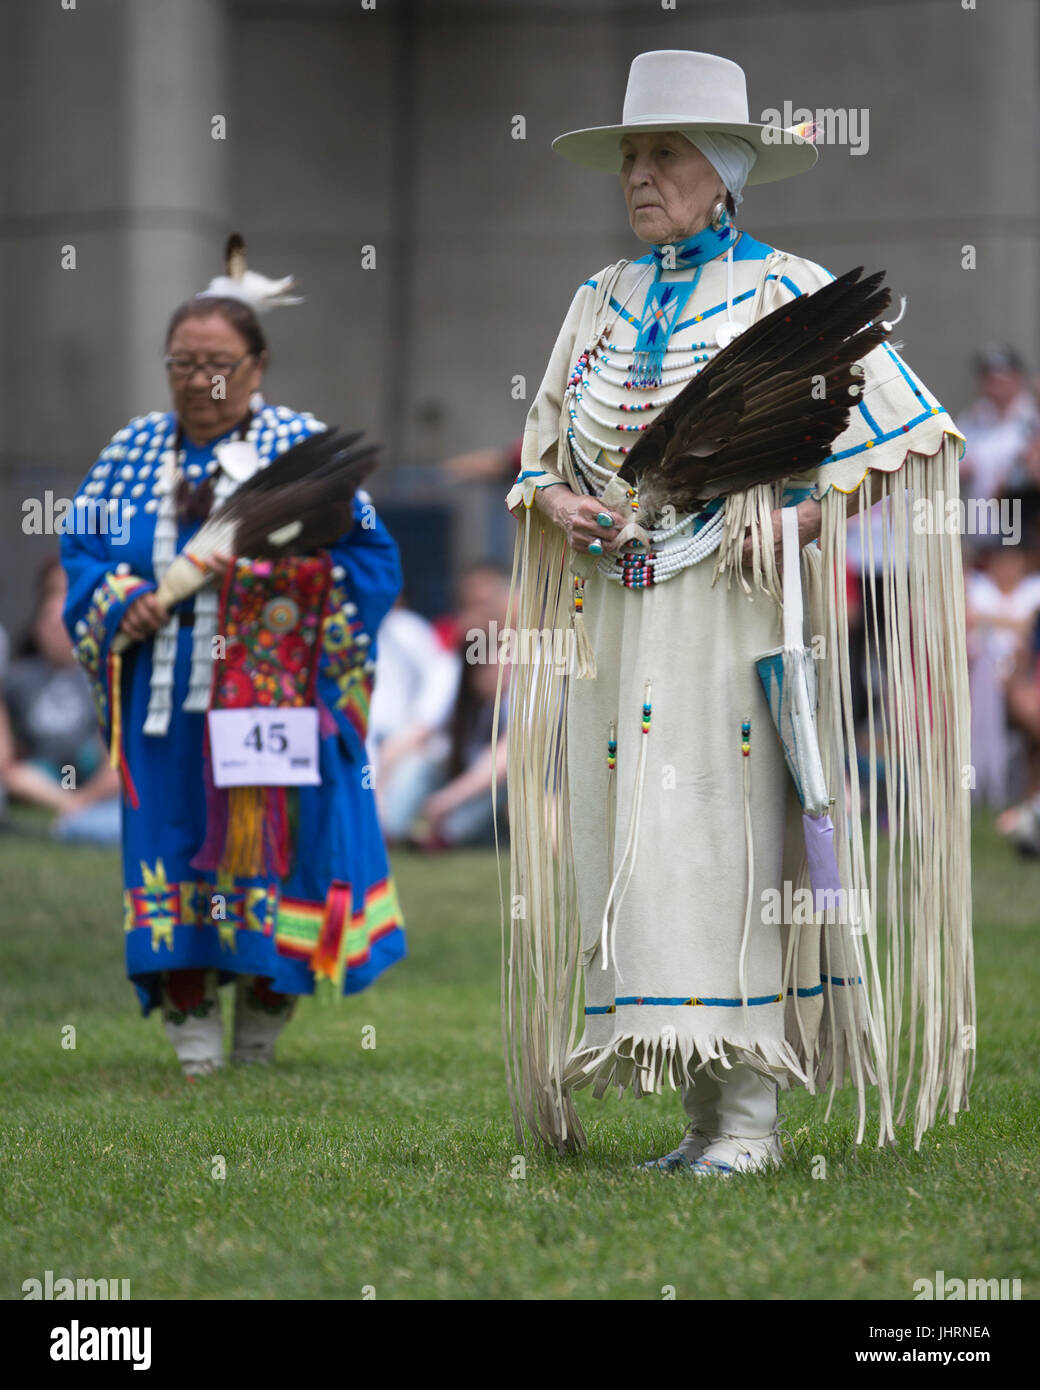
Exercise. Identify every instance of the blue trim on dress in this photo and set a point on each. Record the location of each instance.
(872, 423)
(916, 385)
(884, 438)
(719, 308)
(709, 313)
(748, 249)
(669, 1001)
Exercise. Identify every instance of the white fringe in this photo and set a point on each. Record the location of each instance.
(540, 980)
(608, 928)
(919, 946)
(645, 1061)
(745, 936)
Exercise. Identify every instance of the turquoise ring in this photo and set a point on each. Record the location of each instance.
(604, 519)
(595, 548)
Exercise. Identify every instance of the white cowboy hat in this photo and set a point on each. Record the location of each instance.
(675, 89)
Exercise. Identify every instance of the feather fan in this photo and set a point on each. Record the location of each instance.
(757, 412)
(302, 500)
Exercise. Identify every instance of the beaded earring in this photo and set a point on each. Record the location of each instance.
(719, 217)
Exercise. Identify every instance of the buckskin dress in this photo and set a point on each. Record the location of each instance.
(692, 967)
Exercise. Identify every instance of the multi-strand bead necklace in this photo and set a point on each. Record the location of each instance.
(635, 569)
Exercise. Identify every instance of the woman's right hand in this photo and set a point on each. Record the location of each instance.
(576, 517)
(143, 617)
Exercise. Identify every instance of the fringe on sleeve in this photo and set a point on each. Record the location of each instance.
(899, 999)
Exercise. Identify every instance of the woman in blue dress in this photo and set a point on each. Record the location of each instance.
(268, 886)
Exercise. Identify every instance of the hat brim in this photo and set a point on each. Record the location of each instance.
(781, 154)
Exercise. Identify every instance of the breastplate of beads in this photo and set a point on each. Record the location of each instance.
(606, 412)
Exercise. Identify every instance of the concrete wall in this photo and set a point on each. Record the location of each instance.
(391, 127)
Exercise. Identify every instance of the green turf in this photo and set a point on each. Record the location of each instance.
(349, 1168)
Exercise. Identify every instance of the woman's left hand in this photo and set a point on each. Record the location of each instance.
(810, 515)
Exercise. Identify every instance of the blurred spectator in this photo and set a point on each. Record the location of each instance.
(1024, 483)
(6, 742)
(999, 424)
(1002, 599)
(417, 681)
(457, 809)
(55, 757)
(1021, 823)
(482, 589)
(460, 811)
(487, 474)
(499, 465)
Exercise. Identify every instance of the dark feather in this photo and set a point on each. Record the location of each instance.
(315, 452)
(313, 483)
(752, 415)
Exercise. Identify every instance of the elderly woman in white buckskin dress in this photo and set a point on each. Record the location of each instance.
(652, 816)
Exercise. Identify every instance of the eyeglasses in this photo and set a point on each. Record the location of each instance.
(186, 367)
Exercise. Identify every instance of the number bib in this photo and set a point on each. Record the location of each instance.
(263, 720)
(262, 747)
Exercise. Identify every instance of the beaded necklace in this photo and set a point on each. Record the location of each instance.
(674, 547)
(665, 300)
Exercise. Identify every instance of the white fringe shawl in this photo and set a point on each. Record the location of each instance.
(914, 955)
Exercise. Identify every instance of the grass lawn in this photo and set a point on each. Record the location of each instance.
(392, 1167)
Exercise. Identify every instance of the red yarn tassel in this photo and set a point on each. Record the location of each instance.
(212, 849)
(276, 833)
(117, 752)
(338, 911)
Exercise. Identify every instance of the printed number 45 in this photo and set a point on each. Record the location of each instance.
(276, 740)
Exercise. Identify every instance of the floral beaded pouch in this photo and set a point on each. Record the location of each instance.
(271, 615)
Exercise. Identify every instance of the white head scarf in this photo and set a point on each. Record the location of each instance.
(731, 157)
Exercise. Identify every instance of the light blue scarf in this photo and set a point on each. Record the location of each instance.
(665, 302)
